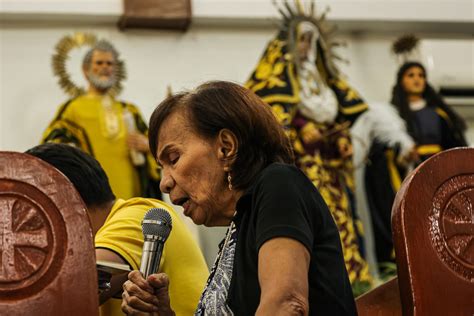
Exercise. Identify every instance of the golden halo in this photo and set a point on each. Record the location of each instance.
(63, 47)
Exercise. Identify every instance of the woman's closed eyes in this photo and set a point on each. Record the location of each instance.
(173, 158)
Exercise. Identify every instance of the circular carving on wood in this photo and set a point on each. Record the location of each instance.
(32, 234)
(452, 225)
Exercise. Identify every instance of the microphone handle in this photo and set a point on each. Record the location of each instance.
(151, 257)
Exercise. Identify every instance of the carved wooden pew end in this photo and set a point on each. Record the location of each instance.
(433, 232)
(47, 257)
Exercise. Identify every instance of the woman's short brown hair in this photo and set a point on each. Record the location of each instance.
(218, 105)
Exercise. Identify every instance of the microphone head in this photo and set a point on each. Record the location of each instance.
(156, 224)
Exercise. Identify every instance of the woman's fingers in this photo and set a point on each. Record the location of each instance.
(134, 305)
(138, 287)
(136, 278)
(146, 296)
(160, 282)
(134, 292)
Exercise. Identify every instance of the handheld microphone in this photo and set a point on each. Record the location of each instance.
(156, 227)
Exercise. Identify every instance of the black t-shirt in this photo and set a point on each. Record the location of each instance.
(283, 202)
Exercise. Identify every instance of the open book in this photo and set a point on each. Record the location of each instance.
(111, 277)
(112, 268)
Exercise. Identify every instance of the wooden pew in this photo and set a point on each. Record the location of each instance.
(47, 257)
(433, 231)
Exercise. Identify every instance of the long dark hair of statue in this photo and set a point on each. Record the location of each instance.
(400, 100)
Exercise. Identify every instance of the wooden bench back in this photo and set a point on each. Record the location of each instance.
(433, 231)
(47, 257)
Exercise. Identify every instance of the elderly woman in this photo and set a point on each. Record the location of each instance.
(226, 160)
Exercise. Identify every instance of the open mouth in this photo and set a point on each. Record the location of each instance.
(181, 201)
(186, 206)
(184, 202)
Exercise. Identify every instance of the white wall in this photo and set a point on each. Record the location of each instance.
(155, 59)
(29, 95)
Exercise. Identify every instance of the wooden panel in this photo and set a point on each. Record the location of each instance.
(433, 230)
(384, 300)
(47, 257)
(156, 14)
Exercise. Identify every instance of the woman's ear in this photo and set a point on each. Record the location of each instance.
(227, 146)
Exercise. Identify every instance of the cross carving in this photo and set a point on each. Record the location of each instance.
(459, 224)
(23, 239)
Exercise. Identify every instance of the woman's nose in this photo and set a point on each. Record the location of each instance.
(166, 183)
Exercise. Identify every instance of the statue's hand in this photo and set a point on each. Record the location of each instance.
(138, 142)
(411, 157)
(310, 134)
(345, 148)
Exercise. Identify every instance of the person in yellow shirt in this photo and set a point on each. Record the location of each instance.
(111, 131)
(116, 225)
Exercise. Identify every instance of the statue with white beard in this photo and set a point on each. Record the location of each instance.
(94, 120)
